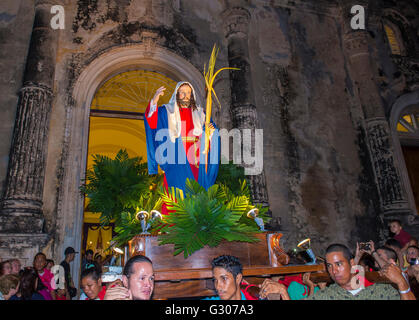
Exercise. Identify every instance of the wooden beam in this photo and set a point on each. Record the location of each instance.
(206, 273)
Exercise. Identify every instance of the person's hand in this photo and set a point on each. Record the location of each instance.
(393, 273)
(372, 246)
(357, 251)
(157, 95)
(211, 129)
(358, 254)
(117, 293)
(268, 286)
(307, 281)
(116, 283)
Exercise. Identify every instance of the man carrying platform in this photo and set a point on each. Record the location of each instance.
(228, 276)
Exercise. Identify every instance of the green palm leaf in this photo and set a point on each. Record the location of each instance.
(205, 217)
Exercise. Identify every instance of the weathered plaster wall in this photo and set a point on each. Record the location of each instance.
(311, 146)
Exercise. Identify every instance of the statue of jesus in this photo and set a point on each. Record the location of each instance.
(175, 135)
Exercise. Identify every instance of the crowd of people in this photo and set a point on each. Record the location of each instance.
(397, 260)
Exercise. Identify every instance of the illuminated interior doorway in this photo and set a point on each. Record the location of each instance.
(408, 131)
(116, 122)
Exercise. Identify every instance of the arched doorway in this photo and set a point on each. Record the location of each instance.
(116, 122)
(404, 122)
(107, 65)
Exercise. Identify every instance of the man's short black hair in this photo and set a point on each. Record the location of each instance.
(390, 253)
(130, 263)
(394, 243)
(337, 247)
(91, 272)
(230, 263)
(89, 251)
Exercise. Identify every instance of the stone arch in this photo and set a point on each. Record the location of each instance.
(402, 103)
(106, 65)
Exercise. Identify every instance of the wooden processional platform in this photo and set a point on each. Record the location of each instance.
(177, 277)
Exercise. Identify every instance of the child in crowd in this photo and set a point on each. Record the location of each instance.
(399, 234)
(50, 264)
(9, 285)
(61, 294)
(46, 277)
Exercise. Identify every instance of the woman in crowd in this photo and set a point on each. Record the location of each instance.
(27, 287)
(91, 283)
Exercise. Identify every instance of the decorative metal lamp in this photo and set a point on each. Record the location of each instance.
(253, 214)
(143, 216)
(155, 215)
(305, 245)
(120, 254)
(118, 250)
(147, 219)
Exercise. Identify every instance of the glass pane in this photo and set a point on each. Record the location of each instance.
(408, 118)
(401, 128)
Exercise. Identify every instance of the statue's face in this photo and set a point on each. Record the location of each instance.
(184, 94)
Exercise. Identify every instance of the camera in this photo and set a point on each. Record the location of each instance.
(414, 261)
(365, 246)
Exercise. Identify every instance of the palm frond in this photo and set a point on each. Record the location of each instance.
(204, 217)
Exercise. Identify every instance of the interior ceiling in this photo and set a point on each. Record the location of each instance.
(131, 91)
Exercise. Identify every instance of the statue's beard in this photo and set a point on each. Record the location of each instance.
(184, 103)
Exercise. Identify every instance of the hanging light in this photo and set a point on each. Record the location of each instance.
(118, 250)
(155, 215)
(253, 214)
(306, 246)
(141, 215)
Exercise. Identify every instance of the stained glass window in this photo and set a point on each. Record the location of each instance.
(392, 39)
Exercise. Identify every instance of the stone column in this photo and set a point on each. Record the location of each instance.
(357, 45)
(21, 210)
(243, 108)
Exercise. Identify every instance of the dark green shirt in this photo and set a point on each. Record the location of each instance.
(377, 291)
